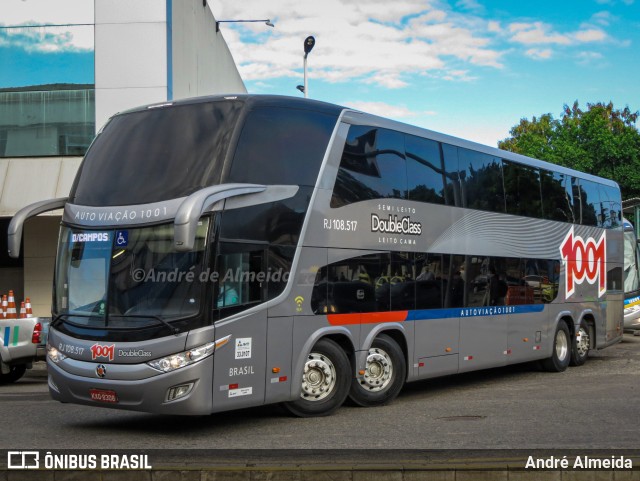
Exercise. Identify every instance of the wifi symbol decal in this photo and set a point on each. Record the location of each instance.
(299, 300)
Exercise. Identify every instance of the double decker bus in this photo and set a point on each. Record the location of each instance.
(631, 279)
(226, 252)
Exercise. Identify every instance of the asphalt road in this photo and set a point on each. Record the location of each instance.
(594, 406)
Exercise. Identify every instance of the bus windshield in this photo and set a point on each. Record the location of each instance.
(181, 149)
(631, 279)
(127, 278)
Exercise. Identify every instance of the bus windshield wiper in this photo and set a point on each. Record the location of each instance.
(65, 316)
(173, 329)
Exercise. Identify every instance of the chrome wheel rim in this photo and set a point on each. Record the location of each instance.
(562, 345)
(582, 342)
(379, 370)
(319, 378)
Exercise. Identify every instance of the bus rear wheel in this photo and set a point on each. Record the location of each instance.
(559, 360)
(580, 345)
(325, 381)
(384, 374)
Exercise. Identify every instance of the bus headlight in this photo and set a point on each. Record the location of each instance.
(54, 355)
(182, 359)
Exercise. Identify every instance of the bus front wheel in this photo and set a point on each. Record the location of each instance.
(559, 360)
(325, 381)
(384, 374)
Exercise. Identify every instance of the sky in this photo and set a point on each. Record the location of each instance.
(33, 56)
(469, 68)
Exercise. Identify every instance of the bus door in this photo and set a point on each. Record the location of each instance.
(239, 367)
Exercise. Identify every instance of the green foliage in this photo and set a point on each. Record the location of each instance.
(600, 140)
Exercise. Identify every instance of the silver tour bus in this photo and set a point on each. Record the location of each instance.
(225, 252)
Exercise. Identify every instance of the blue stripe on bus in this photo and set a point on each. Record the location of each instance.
(7, 333)
(427, 314)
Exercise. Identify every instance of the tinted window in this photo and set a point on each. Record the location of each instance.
(282, 146)
(279, 260)
(557, 196)
(522, 190)
(452, 193)
(352, 285)
(428, 281)
(275, 222)
(372, 167)
(403, 281)
(611, 207)
(239, 285)
(589, 195)
(482, 180)
(156, 154)
(425, 170)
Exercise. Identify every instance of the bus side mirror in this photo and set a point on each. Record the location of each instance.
(14, 233)
(192, 208)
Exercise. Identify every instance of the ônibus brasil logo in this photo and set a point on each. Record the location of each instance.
(584, 260)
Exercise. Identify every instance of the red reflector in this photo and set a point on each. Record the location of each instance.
(37, 333)
(282, 378)
(233, 386)
(421, 364)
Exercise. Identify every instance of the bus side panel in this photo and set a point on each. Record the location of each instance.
(279, 354)
(436, 346)
(525, 335)
(483, 342)
(239, 366)
(614, 316)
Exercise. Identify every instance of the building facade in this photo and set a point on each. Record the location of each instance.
(63, 80)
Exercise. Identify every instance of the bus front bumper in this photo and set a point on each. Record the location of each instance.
(185, 391)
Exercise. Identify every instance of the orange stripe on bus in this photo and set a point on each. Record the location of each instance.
(367, 318)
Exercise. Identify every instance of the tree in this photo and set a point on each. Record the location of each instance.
(600, 140)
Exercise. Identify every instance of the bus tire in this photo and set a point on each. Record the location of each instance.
(559, 360)
(384, 375)
(580, 347)
(15, 373)
(325, 381)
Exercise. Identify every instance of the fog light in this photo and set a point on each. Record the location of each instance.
(176, 392)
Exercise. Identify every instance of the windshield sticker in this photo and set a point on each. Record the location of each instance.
(243, 391)
(90, 237)
(243, 348)
(122, 238)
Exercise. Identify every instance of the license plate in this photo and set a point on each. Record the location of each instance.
(100, 395)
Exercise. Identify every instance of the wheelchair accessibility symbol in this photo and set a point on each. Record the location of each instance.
(122, 238)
